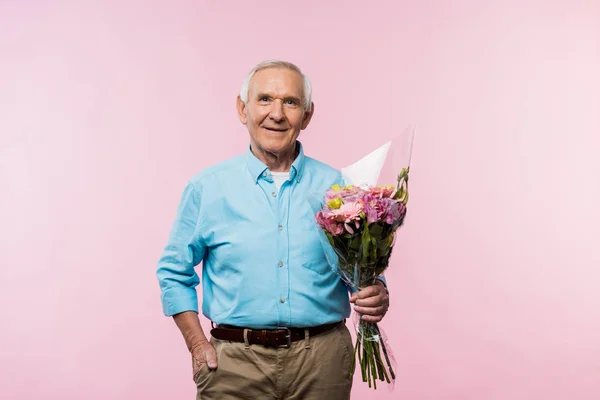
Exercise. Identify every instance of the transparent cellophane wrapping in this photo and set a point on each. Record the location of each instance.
(362, 257)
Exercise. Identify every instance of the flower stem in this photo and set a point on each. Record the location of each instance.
(373, 366)
(382, 372)
(367, 361)
(360, 358)
(385, 353)
(353, 366)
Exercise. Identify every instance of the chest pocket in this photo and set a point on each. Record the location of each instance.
(312, 254)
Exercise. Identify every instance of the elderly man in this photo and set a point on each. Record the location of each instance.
(277, 308)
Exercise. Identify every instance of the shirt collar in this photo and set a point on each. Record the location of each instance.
(258, 169)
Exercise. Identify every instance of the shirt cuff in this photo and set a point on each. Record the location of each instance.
(175, 301)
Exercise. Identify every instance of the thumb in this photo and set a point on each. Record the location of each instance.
(211, 357)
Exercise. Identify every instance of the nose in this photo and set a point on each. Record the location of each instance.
(276, 113)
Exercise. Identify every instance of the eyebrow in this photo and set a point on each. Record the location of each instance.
(261, 95)
(296, 99)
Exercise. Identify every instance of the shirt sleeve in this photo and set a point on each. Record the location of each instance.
(184, 250)
(382, 279)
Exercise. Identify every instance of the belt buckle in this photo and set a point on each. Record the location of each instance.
(288, 336)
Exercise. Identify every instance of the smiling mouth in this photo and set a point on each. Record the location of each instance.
(276, 129)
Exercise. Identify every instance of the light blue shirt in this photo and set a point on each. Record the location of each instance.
(263, 265)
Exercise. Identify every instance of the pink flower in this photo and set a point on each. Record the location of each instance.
(393, 211)
(383, 191)
(325, 220)
(347, 193)
(348, 212)
(372, 212)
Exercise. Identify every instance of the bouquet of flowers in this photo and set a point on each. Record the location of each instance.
(359, 224)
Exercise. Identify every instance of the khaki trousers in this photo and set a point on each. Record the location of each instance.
(316, 368)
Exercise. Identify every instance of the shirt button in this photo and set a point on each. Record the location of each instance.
(265, 173)
(274, 194)
(282, 300)
(280, 264)
(280, 227)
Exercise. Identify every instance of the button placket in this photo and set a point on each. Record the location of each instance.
(283, 271)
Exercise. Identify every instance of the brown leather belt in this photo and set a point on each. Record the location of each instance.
(280, 337)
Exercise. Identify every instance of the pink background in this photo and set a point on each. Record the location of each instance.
(108, 107)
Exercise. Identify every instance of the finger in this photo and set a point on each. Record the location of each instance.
(353, 298)
(211, 357)
(372, 311)
(197, 363)
(370, 291)
(372, 301)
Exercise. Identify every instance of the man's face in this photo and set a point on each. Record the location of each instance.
(274, 114)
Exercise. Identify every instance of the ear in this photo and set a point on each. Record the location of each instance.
(241, 110)
(308, 116)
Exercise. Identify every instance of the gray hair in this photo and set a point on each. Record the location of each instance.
(307, 98)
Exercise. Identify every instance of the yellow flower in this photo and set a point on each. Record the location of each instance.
(335, 203)
(336, 188)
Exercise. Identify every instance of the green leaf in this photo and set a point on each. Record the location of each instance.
(384, 244)
(365, 243)
(330, 238)
(373, 248)
(376, 230)
(355, 243)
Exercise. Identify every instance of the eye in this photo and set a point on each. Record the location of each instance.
(264, 99)
(290, 102)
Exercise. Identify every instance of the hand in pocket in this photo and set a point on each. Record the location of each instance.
(203, 354)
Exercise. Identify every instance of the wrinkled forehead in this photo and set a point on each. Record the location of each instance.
(278, 82)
